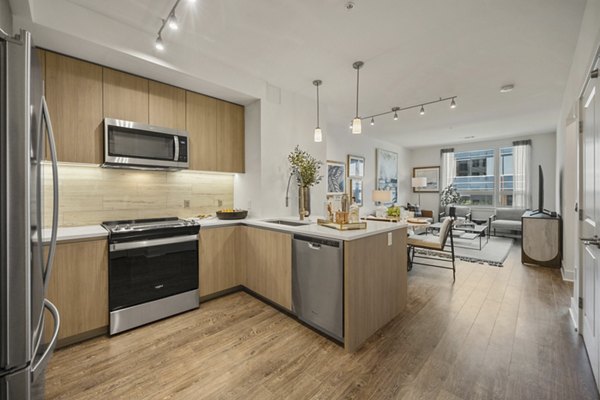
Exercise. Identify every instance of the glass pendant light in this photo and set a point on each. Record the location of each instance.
(356, 122)
(453, 103)
(318, 132)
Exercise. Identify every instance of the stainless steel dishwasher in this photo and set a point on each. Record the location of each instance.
(318, 284)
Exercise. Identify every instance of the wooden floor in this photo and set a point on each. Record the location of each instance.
(497, 333)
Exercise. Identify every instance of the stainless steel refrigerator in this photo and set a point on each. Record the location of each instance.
(24, 268)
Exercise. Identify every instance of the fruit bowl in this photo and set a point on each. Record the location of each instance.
(232, 214)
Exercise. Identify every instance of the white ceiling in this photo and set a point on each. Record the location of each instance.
(414, 51)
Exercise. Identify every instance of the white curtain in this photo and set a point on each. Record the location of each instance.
(522, 174)
(447, 168)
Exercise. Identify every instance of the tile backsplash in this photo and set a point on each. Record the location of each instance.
(91, 194)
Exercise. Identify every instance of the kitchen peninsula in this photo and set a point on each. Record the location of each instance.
(256, 255)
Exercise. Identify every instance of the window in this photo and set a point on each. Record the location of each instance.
(474, 178)
(505, 188)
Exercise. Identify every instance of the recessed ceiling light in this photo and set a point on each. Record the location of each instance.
(507, 88)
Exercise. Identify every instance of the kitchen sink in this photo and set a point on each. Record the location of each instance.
(286, 222)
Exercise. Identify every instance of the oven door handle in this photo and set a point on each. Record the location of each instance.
(152, 242)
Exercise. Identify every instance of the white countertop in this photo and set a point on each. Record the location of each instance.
(310, 228)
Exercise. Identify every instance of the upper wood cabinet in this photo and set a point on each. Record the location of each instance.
(125, 96)
(201, 124)
(230, 137)
(269, 265)
(166, 106)
(74, 96)
(79, 287)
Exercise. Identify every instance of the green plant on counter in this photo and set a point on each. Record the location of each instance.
(308, 167)
(393, 211)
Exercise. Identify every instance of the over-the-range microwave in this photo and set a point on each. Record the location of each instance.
(130, 144)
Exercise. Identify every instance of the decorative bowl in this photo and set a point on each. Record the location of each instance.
(236, 214)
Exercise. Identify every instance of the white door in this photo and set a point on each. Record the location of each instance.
(590, 228)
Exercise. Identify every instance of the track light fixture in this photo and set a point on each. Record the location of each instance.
(355, 125)
(171, 22)
(318, 133)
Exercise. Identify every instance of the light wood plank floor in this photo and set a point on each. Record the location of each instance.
(497, 333)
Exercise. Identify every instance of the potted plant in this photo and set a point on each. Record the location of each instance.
(449, 196)
(306, 169)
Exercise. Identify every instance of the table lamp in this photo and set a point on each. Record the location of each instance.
(380, 197)
(419, 183)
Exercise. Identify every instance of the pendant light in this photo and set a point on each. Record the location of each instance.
(356, 122)
(318, 132)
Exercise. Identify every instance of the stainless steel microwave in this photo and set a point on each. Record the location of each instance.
(134, 145)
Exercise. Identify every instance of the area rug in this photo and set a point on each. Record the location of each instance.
(493, 253)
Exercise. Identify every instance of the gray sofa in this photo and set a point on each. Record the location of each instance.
(462, 213)
(506, 221)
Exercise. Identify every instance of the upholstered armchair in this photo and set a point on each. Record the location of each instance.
(459, 213)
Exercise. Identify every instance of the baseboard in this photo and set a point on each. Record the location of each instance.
(573, 314)
(567, 275)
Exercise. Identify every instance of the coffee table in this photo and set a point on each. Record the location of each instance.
(470, 231)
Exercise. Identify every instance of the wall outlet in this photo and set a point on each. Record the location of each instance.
(186, 204)
(219, 203)
(389, 238)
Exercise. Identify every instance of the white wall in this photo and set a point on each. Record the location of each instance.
(5, 17)
(543, 148)
(341, 143)
(585, 52)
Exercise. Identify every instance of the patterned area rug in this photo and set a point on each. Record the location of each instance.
(493, 253)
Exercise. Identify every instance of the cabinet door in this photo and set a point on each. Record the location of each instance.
(230, 137)
(166, 106)
(125, 96)
(79, 287)
(74, 96)
(269, 265)
(218, 248)
(201, 124)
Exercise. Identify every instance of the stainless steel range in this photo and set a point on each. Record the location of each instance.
(153, 270)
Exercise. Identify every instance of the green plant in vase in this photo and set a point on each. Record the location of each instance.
(449, 196)
(307, 171)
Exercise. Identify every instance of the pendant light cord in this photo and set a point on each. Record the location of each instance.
(317, 106)
(357, 86)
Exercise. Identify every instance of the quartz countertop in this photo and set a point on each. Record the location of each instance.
(309, 228)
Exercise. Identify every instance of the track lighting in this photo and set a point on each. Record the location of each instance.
(453, 103)
(173, 22)
(170, 21)
(159, 44)
(356, 122)
(422, 112)
(372, 121)
(318, 133)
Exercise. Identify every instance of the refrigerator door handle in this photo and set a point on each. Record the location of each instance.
(52, 249)
(40, 365)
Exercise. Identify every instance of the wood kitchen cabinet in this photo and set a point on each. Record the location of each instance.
(166, 105)
(201, 124)
(219, 258)
(74, 96)
(125, 96)
(79, 289)
(269, 265)
(230, 137)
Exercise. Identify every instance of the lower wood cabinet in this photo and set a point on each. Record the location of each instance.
(79, 288)
(268, 269)
(218, 259)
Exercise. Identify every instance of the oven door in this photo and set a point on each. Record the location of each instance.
(148, 270)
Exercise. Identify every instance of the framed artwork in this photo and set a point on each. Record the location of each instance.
(336, 177)
(433, 179)
(387, 172)
(356, 166)
(356, 191)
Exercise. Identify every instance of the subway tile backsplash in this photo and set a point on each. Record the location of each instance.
(91, 194)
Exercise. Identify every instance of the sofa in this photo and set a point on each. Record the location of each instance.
(461, 213)
(506, 220)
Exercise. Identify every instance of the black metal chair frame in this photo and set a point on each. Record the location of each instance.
(412, 255)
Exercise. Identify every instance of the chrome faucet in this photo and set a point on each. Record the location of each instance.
(301, 209)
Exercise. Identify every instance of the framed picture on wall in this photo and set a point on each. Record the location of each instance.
(387, 172)
(432, 174)
(356, 191)
(356, 166)
(336, 177)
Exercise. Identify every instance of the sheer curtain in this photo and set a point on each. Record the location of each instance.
(522, 174)
(447, 168)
